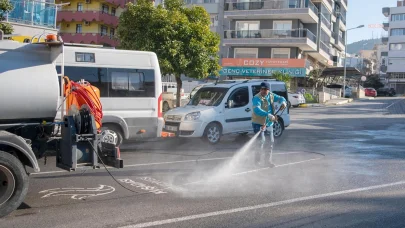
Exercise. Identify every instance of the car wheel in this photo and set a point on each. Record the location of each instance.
(278, 128)
(14, 183)
(117, 130)
(296, 106)
(213, 133)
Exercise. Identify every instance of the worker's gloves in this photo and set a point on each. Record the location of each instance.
(283, 105)
(272, 118)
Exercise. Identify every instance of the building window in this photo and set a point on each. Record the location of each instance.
(280, 53)
(104, 30)
(282, 28)
(112, 33)
(398, 32)
(247, 25)
(282, 25)
(113, 11)
(104, 8)
(398, 17)
(397, 47)
(80, 7)
(246, 53)
(78, 28)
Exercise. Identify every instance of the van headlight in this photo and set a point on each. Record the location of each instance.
(193, 116)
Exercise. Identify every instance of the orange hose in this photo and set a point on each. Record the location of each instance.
(78, 94)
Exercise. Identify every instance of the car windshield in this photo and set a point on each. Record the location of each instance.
(208, 96)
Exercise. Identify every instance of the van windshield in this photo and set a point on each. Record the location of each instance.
(208, 96)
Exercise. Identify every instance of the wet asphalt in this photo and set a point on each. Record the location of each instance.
(340, 166)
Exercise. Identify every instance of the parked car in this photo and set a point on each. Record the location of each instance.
(348, 90)
(370, 92)
(295, 99)
(223, 108)
(386, 92)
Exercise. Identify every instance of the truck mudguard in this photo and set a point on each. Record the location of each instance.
(22, 146)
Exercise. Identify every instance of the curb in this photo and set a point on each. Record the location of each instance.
(311, 105)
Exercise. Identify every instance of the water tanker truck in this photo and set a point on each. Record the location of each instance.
(31, 96)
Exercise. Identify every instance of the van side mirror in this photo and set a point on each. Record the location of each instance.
(230, 104)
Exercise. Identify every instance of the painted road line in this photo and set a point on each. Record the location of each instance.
(261, 206)
(164, 163)
(393, 103)
(255, 170)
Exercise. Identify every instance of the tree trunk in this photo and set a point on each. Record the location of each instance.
(179, 86)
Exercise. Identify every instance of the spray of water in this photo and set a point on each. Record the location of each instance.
(243, 158)
(235, 164)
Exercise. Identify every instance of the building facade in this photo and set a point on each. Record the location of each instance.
(395, 40)
(30, 18)
(259, 38)
(90, 21)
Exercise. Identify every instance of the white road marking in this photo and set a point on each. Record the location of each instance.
(257, 170)
(393, 103)
(164, 163)
(78, 193)
(260, 206)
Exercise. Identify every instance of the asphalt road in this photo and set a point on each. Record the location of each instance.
(340, 166)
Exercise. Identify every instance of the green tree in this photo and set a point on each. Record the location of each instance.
(180, 37)
(284, 77)
(373, 81)
(5, 7)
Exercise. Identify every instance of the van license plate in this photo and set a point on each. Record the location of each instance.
(171, 128)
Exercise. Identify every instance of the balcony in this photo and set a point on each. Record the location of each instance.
(327, 3)
(326, 25)
(32, 13)
(302, 38)
(342, 22)
(386, 11)
(384, 39)
(271, 9)
(89, 38)
(87, 15)
(323, 55)
(342, 3)
(386, 25)
(120, 3)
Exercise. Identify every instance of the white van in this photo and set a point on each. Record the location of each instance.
(130, 88)
(223, 108)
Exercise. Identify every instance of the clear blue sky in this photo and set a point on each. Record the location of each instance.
(369, 14)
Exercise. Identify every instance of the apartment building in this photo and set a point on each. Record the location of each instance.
(90, 21)
(395, 40)
(381, 51)
(30, 18)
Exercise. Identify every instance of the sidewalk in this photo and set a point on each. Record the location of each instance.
(333, 102)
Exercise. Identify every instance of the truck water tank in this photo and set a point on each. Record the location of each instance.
(29, 87)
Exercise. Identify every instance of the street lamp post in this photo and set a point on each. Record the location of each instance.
(344, 71)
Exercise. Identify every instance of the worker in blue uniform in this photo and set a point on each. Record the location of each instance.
(263, 118)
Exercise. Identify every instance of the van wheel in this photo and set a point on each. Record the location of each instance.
(213, 133)
(117, 130)
(278, 128)
(166, 107)
(13, 183)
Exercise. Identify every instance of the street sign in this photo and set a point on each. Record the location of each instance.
(363, 78)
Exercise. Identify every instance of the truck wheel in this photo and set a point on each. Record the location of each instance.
(117, 130)
(13, 183)
(213, 133)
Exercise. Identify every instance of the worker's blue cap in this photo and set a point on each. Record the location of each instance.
(265, 85)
